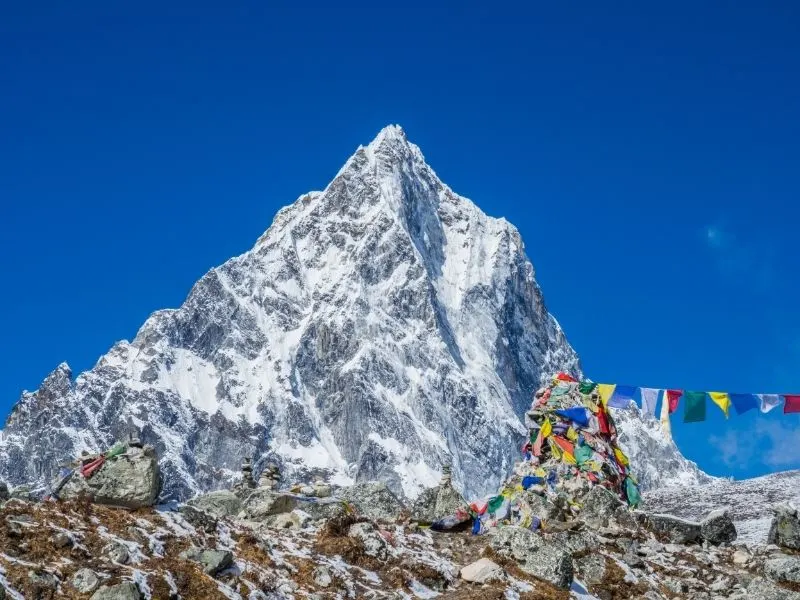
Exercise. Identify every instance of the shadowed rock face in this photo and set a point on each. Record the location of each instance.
(377, 330)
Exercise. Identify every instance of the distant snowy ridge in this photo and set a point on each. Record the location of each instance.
(377, 330)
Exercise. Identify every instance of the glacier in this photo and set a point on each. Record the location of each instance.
(378, 329)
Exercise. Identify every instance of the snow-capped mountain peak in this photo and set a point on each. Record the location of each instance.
(378, 329)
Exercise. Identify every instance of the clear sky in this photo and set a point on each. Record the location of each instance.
(650, 156)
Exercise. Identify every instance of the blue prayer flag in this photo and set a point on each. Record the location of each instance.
(577, 414)
(743, 402)
(622, 397)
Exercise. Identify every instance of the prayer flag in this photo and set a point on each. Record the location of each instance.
(743, 402)
(547, 428)
(622, 396)
(649, 400)
(566, 377)
(791, 403)
(606, 390)
(768, 401)
(576, 414)
(665, 412)
(673, 397)
(722, 400)
(560, 389)
(623, 460)
(586, 387)
(694, 409)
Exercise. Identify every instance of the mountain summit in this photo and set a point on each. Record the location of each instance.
(379, 329)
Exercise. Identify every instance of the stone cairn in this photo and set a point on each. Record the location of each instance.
(246, 483)
(270, 477)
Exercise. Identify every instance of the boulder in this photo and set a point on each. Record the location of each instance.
(61, 540)
(763, 589)
(547, 561)
(599, 505)
(264, 503)
(4, 494)
(785, 528)
(219, 504)
(85, 581)
(436, 502)
(678, 531)
(212, 561)
(373, 500)
(199, 518)
(130, 480)
(591, 568)
(121, 591)
(783, 569)
(718, 528)
(374, 543)
(117, 553)
(482, 571)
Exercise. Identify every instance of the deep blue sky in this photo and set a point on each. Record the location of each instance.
(649, 157)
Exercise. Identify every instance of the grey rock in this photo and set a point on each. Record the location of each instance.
(535, 555)
(763, 589)
(131, 480)
(61, 540)
(322, 576)
(121, 591)
(718, 528)
(199, 518)
(598, 506)
(783, 569)
(25, 493)
(591, 568)
(631, 556)
(212, 561)
(4, 493)
(220, 504)
(374, 543)
(373, 499)
(437, 502)
(264, 502)
(85, 581)
(785, 528)
(116, 552)
(679, 531)
(42, 580)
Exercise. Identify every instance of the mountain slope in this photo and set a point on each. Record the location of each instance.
(378, 329)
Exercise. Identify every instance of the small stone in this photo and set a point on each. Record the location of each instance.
(61, 540)
(740, 557)
(43, 580)
(85, 581)
(121, 591)
(482, 571)
(212, 561)
(322, 576)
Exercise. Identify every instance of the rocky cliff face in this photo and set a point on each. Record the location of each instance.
(378, 329)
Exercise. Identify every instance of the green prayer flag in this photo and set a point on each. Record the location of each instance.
(583, 453)
(559, 390)
(634, 498)
(494, 504)
(586, 387)
(694, 407)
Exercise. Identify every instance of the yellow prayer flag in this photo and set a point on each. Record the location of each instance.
(547, 428)
(555, 449)
(606, 390)
(540, 472)
(721, 399)
(572, 435)
(621, 457)
(569, 459)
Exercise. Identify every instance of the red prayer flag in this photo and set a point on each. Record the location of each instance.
(673, 397)
(791, 403)
(564, 444)
(565, 377)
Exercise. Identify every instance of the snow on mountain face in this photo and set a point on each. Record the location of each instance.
(377, 330)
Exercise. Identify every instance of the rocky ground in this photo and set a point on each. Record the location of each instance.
(78, 549)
